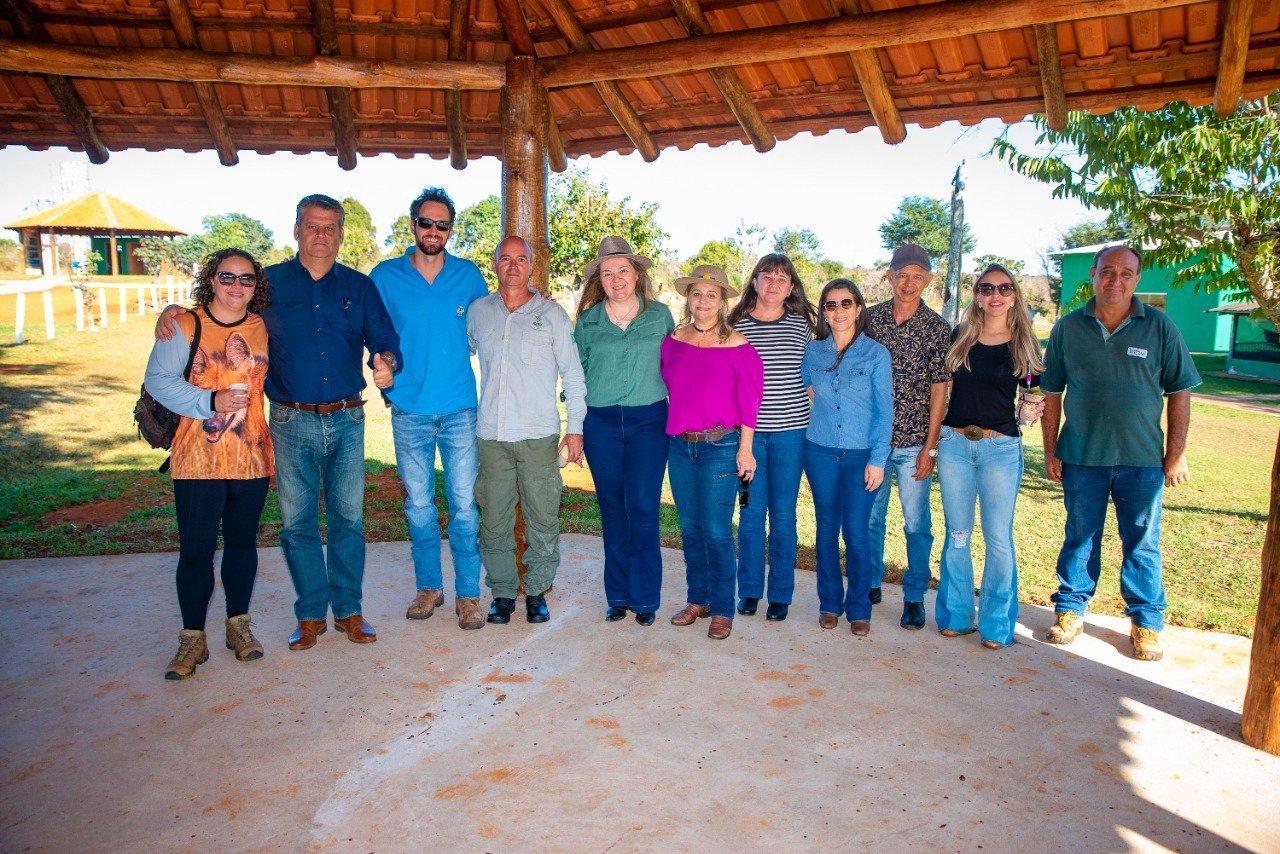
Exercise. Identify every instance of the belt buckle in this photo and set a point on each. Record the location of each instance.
(973, 433)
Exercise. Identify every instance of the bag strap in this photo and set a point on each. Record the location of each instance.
(195, 345)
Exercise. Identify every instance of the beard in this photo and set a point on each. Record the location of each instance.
(428, 250)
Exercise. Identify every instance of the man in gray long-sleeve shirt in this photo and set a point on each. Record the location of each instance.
(524, 342)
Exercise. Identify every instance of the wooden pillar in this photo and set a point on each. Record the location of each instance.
(524, 163)
(1260, 719)
(115, 262)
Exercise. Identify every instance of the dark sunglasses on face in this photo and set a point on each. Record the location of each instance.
(426, 222)
(249, 280)
(832, 305)
(987, 289)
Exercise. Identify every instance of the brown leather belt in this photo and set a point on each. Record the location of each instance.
(713, 435)
(974, 433)
(321, 408)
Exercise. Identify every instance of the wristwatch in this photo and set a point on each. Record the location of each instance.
(933, 453)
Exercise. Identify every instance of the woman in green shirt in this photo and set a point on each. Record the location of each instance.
(619, 333)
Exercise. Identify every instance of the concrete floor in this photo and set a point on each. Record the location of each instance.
(581, 735)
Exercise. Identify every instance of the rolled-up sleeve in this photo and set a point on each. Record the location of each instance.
(881, 409)
(572, 380)
(164, 381)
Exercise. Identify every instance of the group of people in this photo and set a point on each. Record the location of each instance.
(746, 394)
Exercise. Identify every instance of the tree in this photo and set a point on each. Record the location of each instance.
(222, 231)
(359, 248)
(1200, 188)
(926, 222)
(1015, 267)
(400, 238)
(11, 258)
(476, 234)
(725, 254)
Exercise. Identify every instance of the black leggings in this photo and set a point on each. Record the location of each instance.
(202, 506)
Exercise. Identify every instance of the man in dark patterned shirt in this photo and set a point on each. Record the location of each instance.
(917, 339)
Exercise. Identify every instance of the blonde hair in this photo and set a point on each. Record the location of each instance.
(723, 329)
(593, 289)
(1024, 348)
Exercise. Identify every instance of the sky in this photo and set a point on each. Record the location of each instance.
(841, 185)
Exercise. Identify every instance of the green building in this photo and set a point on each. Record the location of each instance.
(1255, 343)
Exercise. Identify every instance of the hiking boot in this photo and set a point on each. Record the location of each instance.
(1069, 627)
(468, 610)
(192, 650)
(425, 604)
(1146, 644)
(240, 639)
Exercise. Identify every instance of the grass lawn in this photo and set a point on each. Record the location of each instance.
(81, 482)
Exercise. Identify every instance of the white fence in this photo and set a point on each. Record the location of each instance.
(92, 302)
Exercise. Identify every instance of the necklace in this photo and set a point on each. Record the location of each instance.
(618, 318)
(700, 329)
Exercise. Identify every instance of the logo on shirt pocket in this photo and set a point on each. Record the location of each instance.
(460, 312)
(1138, 352)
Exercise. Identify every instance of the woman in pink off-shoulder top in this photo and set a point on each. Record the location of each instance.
(715, 381)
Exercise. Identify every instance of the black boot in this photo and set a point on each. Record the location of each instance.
(615, 613)
(747, 605)
(777, 612)
(875, 595)
(500, 610)
(912, 615)
(535, 608)
(644, 618)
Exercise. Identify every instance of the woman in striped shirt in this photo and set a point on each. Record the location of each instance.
(776, 317)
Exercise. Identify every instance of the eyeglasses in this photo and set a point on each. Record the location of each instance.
(426, 222)
(832, 305)
(987, 288)
(249, 280)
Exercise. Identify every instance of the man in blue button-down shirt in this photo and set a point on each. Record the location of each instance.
(427, 292)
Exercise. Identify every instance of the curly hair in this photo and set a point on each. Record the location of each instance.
(202, 293)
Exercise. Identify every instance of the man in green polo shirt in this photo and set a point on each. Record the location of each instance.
(1118, 361)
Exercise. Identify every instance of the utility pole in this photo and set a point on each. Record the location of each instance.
(955, 253)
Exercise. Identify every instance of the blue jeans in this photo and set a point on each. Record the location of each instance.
(841, 503)
(626, 449)
(988, 471)
(704, 482)
(1136, 492)
(917, 527)
(416, 438)
(313, 453)
(779, 463)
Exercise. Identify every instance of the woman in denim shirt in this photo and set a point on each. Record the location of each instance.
(846, 447)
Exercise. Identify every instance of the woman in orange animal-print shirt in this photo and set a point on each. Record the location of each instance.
(222, 455)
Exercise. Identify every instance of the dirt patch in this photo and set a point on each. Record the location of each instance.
(506, 678)
(98, 514)
(786, 702)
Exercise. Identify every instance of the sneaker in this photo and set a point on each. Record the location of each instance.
(192, 650)
(912, 615)
(1069, 627)
(424, 604)
(240, 639)
(1146, 644)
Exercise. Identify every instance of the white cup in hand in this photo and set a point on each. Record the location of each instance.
(241, 387)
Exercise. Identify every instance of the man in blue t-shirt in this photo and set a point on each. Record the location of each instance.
(427, 292)
(1118, 361)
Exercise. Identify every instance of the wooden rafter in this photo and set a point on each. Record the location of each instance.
(608, 90)
(110, 63)
(27, 24)
(869, 31)
(875, 88)
(556, 157)
(455, 120)
(1049, 61)
(727, 80)
(516, 27)
(324, 28)
(1233, 56)
(184, 27)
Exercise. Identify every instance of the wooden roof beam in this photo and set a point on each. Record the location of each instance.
(608, 90)
(454, 117)
(556, 157)
(27, 24)
(185, 66)
(345, 137)
(184, 27)
(516, 27)
(869, 31)
(1049, 61)
(727, 80)
(1233, 56)
(875, 87)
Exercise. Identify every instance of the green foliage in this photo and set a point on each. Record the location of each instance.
(1197, 186)
(400, 238)
(222, 231)
(1017, 268)
(359, 238)
(736, 255)
(926, 222)
(580, 214)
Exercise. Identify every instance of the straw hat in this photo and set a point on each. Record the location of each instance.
(614, 247)
(705, 273)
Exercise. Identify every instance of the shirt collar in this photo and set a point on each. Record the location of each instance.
(1137, 308)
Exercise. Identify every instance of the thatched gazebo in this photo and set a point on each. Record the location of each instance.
(535, 81)
(112, 225)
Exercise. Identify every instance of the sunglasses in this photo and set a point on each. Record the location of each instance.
(987, 289)
(426, 222)
(249, 280)
(832, 305)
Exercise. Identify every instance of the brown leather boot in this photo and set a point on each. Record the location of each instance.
(240, 639)
(828, 621)
(304, 636)
(690, 614)
(358, 631)
(424, 604)
(192, 650)
(720, 628)
(469, 614)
